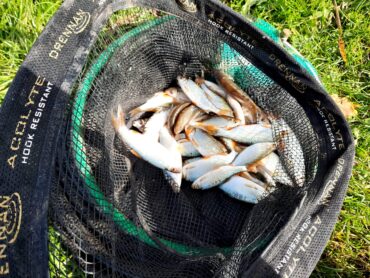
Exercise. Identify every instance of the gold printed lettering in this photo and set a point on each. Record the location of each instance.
(4, 269)
(39, 81)
(26, 116)
(2, 251)
(21, 126)
(4, 216)
(11, 161)
(30, 96)
(14, 147)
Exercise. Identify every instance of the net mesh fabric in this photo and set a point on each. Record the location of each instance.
(117, 214)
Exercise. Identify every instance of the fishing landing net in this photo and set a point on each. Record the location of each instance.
(75, 202)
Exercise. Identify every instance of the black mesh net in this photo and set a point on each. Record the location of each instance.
(110, 214)
(123, 218)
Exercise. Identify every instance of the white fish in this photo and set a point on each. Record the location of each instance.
(247, 134)
(248, 176)
(257, 115)
(221, 122)
(196, 95)
(166, 139)
(191, 160)
(217, 176)
(218, 102)
(187, 149)
(175, 111)
(200, 167)
(185, 117)
(157, 101)
(215, 88)
(151, 151)
(178, 94)
(272, 166)
(243, 189)
(254, 153)
(229, 144)
(155, 124)
(204, 143)
(180, 136)
(237, 108)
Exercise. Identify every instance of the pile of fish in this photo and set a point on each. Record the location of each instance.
(206, 133)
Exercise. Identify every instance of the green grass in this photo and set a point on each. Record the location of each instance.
(315, 35)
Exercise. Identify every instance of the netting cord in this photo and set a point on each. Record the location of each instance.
(86, 172)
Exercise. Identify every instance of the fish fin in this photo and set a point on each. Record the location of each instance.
(226, 112)
(210, 129)
(252, 168)
(135, 153)
(135, 111)
(199, 80)
(118, 119)
(188, 130)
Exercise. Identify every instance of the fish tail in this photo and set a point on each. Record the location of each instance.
(118, 119)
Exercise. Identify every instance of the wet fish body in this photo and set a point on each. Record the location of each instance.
(196, 169)
(217, 176)
(196, 95)
(155, 124)
(175, 111)
(204, 143)
(230, 87)
(166, 139)
(218, 102)
(247, 134)
(187, 149)
(254, 153)
(242, 189)
(237, 108)
(220, 122)
(185, 117)
(151, 151)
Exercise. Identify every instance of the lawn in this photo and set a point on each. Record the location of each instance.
(315, 35)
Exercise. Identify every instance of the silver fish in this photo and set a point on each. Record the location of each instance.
(185, 117)
(247, 134)
(229, 144)
(217, 176)
(178, 94)
(238, 110)
(187, 149)
(248, 176)
(196, 95)
(175, 111)
(230, 87)
(151, 151)
(215, 88)
(204, 143)
(200, 167)
(166, 139)
(155, 124)
(191, 160)
(272, 166)
(215, 99)
(243, 189)
(180, 136)
(221, 122)
(254, 153)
